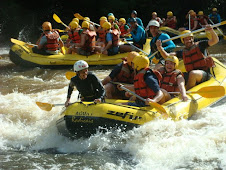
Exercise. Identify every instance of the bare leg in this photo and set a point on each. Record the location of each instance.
(195, 76)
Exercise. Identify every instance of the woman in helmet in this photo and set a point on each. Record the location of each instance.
(124, 29)
(172, 78)
(146, 82)
(88, 85)
(101, 32)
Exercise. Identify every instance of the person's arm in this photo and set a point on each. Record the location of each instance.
(169, 44)
(113, 74)
(137, 37)
(70, 90)
(163, 53)
(109, 39)
(181, 86)
(42, 42)
(106, 80)
(215, 39)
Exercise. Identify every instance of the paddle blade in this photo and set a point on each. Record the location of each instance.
(158, 107)
(211, 91)
(56, 18)
(45, 106)
(77, 15)
(63, 50)
(70, 74)
(223, 22)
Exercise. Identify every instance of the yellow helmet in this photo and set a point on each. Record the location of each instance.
(107, 25)
(111, 17)
(200, 13)
(73, 25)
(173, 59)
(103, 18)
(214, 9)
(131, 56)
(154, 13)
(140, 62)
(188, 35)
(85, 24)
(86, 19)
(193, 14)
(170, 13)
(123, 20)
(76, 20)
(191, 11)
(47, 26)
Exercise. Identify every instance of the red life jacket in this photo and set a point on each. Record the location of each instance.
(169, 80)
(101, 34)
(52, 41)
(90, 43)
(171, 23)
(194, 59)
(123, 30)
(115, 37)
(141, 88)
(74, 36)
(125, 75)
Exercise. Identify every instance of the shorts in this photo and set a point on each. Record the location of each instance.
(205, 76)
(113, 51)
(83, 52)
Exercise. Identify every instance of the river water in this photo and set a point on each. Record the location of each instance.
(29, 137)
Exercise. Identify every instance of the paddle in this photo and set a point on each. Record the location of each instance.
(47, 106)
(70, 74)
(182, 35)
(57, 19)
(77, 15)
(152, 104)
(218, 30)
(207, 92)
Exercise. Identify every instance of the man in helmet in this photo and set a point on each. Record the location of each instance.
(193, 21)
(101, 32)
(88, 38)
(214, 16)
(111, 40)
(158, 35)
(114, 25)
(195, 56)
(172, 78)
(138, 20)
(170, 21)
(124, 29)
(50, 42)
(154, 17)
(202, 19)
(88, 85)
(146, 82)
(122, 73)
(74, 36)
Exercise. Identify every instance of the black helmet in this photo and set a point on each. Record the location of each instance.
(134, 12)
(132, 20)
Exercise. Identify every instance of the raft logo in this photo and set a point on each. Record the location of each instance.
(124, 115)
(81, 120)
(83, 114)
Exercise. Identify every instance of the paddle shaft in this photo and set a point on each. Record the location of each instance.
(182, 35)
(141, 98)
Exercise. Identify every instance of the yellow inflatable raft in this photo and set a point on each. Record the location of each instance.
(83, 119)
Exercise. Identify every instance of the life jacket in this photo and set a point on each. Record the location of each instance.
(201, 21)
(74, 36)
(192, 22)
(115, 37)
(125, 75)
(141, 88)
(52, 41)
(214, 18)
(101, 34)
(194, 59)
(169, 80)
(171, 23)
(123, 30)
(90, 43)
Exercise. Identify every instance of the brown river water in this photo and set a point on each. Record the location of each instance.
(29, 137)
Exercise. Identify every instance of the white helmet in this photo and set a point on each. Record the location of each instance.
(80, 65)
(154, 23)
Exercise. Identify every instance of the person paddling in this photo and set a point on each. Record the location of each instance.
(88, 85)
